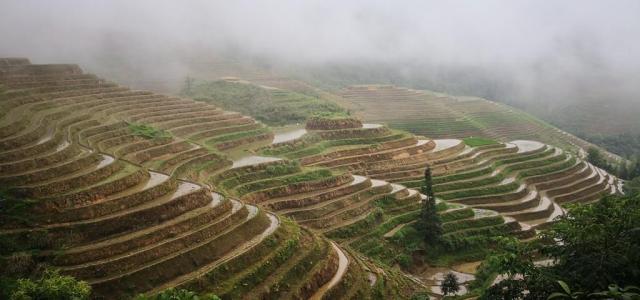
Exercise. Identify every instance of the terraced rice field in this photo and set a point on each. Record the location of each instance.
(215, 201)
(438, 115)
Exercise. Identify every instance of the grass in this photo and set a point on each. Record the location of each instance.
(237, 135)
(272, 107)
(147, 131)
(311, 175)
(478, 141)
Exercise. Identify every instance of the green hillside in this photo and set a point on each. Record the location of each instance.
(271, 106)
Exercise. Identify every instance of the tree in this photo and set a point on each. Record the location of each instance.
(188, 86)
(598, 244)
(430, 220)
(450, 284)
(595, 157)
(612, 292)
(51, 286)
(594, 248)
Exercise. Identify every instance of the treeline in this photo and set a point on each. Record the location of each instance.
(626, 170)
(626, 145)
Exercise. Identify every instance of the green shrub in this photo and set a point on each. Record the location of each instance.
(403, 260)
(51, 286)
(178, 294)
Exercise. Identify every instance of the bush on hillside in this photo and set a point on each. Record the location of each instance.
(50, 286)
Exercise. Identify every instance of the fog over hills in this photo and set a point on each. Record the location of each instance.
(557, 59)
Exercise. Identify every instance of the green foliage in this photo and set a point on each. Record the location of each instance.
(592, 246)
(450, 284)
(472, 223)
(461, 176)
(612, 292)
(237, 135)
(483, 191)
(429, 223)
(532, 164)
(232, 179)
(632, 187)
(478, 141)
(147, 131)
(518, 157)
(420, 296)
(548, 169)
(361, 227)
(282, 181)
(599, 243)
(50, 286)
(273, 107)
(626, 145)
(409, 237)
(456, 214)
(403, 260)
(312, 144)
(13, 209)
(469, 183)
(178, 294)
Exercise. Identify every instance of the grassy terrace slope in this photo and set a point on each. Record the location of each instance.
(488, 188)
(138, 192)
(439, 116)
(270, 105)
(114, 186)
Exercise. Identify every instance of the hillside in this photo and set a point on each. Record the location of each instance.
(440, 115)
(270, 105)
(137, 192)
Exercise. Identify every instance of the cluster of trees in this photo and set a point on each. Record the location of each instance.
(626, 145)
(50, 285)
(625, 170)
(593, 253)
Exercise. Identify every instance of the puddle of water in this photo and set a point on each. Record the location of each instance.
(154, 179)
(395, 188)
(372, 278)
(62, 146)
(184, 188)
(370, 125)
(106, 160)
(252, 160)
(289, 135)
(445, 144)
(483, 213)
(375, 182)
(216, 198)
(47, 137)
(422, 142)
(358, 179)
(508, 180)
(526, 146)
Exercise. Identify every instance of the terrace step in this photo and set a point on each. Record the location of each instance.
(200, 271)
(140, 255)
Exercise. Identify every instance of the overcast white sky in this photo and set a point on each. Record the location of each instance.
(571, 38)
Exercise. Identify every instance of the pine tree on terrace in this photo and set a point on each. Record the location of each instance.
(429, 218)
